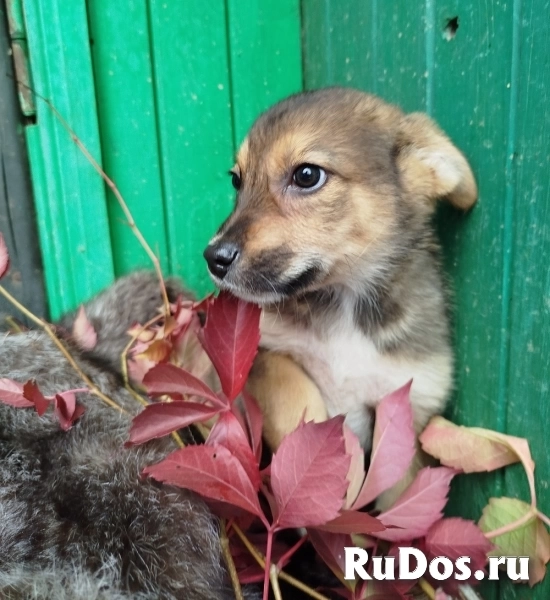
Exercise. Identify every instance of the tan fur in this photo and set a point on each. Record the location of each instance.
(285, 394)
(349, 274)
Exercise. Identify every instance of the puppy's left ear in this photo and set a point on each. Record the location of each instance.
(430, 166)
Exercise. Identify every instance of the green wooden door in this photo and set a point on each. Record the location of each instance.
(164, 90)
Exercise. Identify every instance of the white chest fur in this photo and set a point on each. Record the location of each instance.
(353, 375)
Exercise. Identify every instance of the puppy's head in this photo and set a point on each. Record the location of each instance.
(332, 186)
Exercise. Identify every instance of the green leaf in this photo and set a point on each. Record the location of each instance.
(530, 539)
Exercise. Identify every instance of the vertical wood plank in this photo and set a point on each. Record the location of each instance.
(368, 45)
(528, 386)
(69, 195)
(126, 110)
(195, 127)
(265, 56)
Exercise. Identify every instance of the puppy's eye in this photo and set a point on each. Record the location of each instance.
(235, 180)
(309, 177)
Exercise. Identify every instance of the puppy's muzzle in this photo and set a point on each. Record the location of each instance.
(220, 256)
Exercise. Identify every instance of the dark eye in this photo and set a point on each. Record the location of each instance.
(309, 177)
(235, 180)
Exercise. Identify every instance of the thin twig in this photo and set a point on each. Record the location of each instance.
(256, 554)
(224, 540)
(427, 588)
(274, 578)
(114, 189)
(14, 325)
(47, 328)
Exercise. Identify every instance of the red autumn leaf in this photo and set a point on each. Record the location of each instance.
(254, 421)
(83, 332)
(455, 537)
(308, 474)
(67, 410)
(173, 381)
(4, 256)
(161, 418)
(330, 547)
(211, 471)
(419, 507)
(11, 392)
(352, 521)
(231, 337)
(228, 433)
(393, 445)
(32, 392)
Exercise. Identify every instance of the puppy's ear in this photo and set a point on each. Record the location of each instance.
(431, 166)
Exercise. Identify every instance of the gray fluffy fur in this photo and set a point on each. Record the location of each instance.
(76, 520)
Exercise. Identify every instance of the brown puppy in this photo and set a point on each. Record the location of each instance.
(332, 234)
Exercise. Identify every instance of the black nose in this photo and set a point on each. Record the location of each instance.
(220, 257)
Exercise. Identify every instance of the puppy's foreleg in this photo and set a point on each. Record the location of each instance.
(285, 394)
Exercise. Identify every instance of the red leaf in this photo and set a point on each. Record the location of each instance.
(4, 257)
(231, 337)
(11, 392)
(84, 333)
(161, 418)
(211, 471)
(455, 537)
(66, 409)
(393, 445)
(173, 381)
(330, 547)
(351, 521)
(32, 392)
(254, 421)
(228, 433)
(419, 507)
(308, 474)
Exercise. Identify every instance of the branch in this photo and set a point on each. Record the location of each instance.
(224, 540)
(112, 186)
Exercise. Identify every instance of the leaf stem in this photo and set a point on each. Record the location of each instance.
(291, 551)
(267, 565)
(256, 554)
(224, 541)
(543, 518)
(531, 514)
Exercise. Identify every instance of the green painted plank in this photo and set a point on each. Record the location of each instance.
(528, 390)
(471, 101)
(126, 110)
(70, 198)
(338, 43)
(371, 45)
(470, 98)
(265, 56)
(194, 119)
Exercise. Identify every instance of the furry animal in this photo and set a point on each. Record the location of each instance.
(332, 234)
(76, 520)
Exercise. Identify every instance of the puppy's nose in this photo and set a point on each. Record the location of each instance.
(220, 257)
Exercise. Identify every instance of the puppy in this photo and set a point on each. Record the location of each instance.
(332, 235)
